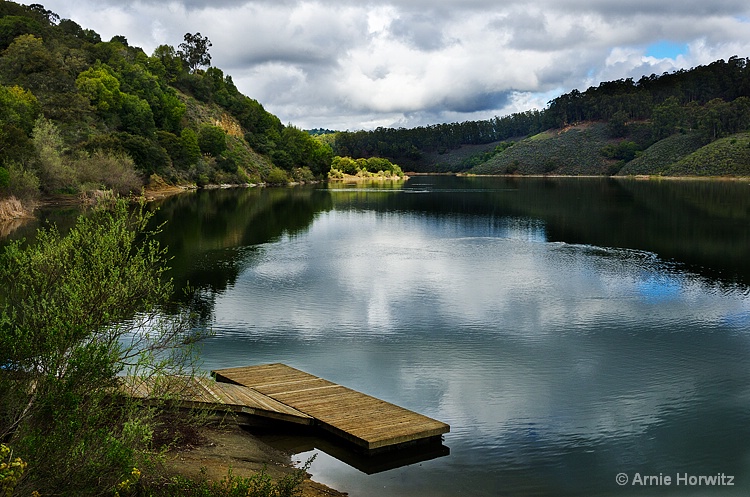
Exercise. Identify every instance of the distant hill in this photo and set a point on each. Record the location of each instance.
(657, 158)
(607, 129)
(729, 156)
(574, 150)
(587, 149)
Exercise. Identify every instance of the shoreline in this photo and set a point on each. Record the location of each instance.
(14, 213)
(230, 447)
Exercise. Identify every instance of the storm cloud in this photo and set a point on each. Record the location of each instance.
(345, 64)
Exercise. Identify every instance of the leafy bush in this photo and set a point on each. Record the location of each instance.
(11, 471)
(112, 171)
(345, 165)
(335, 174)
(624, 151)
(277, 177)
(55, 171)
(373, 166)
(302, 174)
(72, 316)
(212, 140)
(148, 155)
(22, 183)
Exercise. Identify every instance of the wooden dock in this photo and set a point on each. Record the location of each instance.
(278, 392)
(366, 421)
(199, 392)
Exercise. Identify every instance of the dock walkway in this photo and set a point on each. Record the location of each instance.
(200, 392)
(366, 421)
(282, 393)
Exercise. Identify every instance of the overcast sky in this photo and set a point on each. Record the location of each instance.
(352, 64)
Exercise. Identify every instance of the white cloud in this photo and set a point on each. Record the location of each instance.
(347, 65)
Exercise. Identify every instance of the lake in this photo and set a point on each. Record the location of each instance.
(572, 331)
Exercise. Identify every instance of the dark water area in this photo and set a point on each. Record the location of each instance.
(572, 331)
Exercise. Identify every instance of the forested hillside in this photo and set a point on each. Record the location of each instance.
(624, 119)
(78, 113)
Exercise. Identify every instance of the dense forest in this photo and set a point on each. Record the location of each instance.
(708, 102)
(78, 113)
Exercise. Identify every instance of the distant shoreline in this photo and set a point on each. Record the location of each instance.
(14, 213)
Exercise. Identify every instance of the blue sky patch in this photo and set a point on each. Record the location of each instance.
(666, 49)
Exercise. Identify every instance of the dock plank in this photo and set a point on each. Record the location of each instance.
(206, 392)
(362, 419)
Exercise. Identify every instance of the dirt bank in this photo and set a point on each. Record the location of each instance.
(219, 449)
(13, 213)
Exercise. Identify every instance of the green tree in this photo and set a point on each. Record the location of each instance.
(616, 126)
(18, 107)
(136, 116)
(714, 119)
(48, 16)
(76, 311)
(171, 112)
(53, 169)
(740, 114)
(14, 26)
(194, 51)
(212, 140)
(101, 87)
(29, 63)
(74, 29)
(166, 62)
(190, 149)
(666, 118)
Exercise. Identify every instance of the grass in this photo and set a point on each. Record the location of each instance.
(571, 151)
(578, 150)
(661, 155)
(728, 156)
(258, 485)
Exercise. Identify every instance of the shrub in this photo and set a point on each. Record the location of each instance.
(22, 183)
(335, 174)
(625, 151)
(71, 320)
(212, 140)
(302, 174)
(55, 171)
(277, 176)
(11, 470)
(112, 171)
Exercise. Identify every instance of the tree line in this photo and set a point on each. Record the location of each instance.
(713, 99)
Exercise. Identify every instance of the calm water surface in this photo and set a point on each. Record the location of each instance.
(567, 329)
